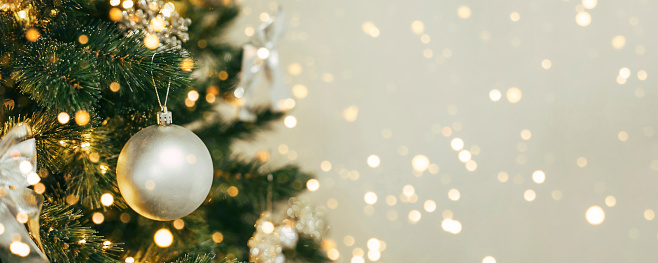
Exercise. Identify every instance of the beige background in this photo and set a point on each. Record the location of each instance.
(362, 61)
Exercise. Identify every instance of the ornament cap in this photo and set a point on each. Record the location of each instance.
(164, 117)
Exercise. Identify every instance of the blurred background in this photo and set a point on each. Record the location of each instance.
(472, 131)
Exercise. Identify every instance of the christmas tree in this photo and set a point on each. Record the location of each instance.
(83, 77)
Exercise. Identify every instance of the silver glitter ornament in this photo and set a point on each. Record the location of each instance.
(310, 220)
(157, 18)
(164, 172)
(265, 244)
(287, 234)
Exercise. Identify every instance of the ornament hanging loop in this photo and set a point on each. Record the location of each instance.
(164, 116)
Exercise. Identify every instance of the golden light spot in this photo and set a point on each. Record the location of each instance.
(114, 86)
(63, 118)
(515, 17)
(624, 73)
(373, 161)
(391, 200)
(446, 214)
(187, 65)
(589, 4)
(642, 75)
(217, 237)
(82, 117)
(83, 39)
(263, 53)
(622, 136)
(189, 103)
(464, 156)
(417, 27)
(19, 248)
(157, 24)
(210, 98)
(583, 19)
(21, 217)
(649, 214)
(125, 217)
(40, 188)
(32, 34)
(595, 215)
(299, 91)
(193, 95)
(351, 113)
(433, 168)
(529, 195)
(610, 201)
(414, 216)
(333, 254)
(116, 15)
(249, 31)
(348, 240)
(71, 199)
(495, 95)
(98, 218)
(325, 166)
(232, 191)
(546, 63)
(332, 203)
(429, 205)
(115, 2)
(94, 157)
(357, 259)
(370, 198)
(420, 163)
(313, 185)
(513, 95)
(370, 29)
(107, 199)
(428, 53)
(163, 238)
(451, 226)
(581, 162)
(618, 42)
(295, 69)
(453, 194)
(374, 255)
(408, 190)
(471, 165)
(539, 176)
(425, 38)
(503, 177)
(464, 12)
(457, 144)
(128, 4)
(268, 227)
(33, 178)
(290, 121)
(151, 41)
(130, 260)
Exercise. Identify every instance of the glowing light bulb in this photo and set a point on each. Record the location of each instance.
(163, 238)
(268, 227)
(313, 185)
(595, 215)
(151, 41)
(420, 163)
(107, 199)
(370, 198)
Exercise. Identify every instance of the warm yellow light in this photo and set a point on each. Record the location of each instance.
(299, 91)
(158, 24)
(622, 136)
(357, 259)
(115, 2)
(290, 121)
(128, 4)
(187, 65)
(39, 188)
(495, 95)
(538, 176)
(624, 72)
(351, 113)
(370, 29)
(332, 203)
(503, 177)
(179, 224)
(22, 14)
(325, 166)
(82, 117)
(529, 195)
(430, 206)
(267, 227)
(107, 199)
(374, 255)
(19, 248)
(451, 226)
(130, 260)
(453, 194)
(98, 218)
(373, 161)
(333, 254)
(464, 156)
(348, 240)
(217, 237)
(408, 190)
(595, 215)
(526, 135)
(649, 214)
(232, 191)
(513, 95)
(151, 41)
(32, 34)
(488, 259)
(25, 167)
(370, 198)
(420, 163)
(589, 4)
(515, 17)
(263, 53)
(417, 27)
(193, 95)
(471, 165)
(22, 217)
(414, 216)
(618, 42)
(116, 15)
(464, 12)
(583, 19)
(581, 162)
(63, 117)
(33, 178)
(295, 69)
(313, 185)
(457, 144)
(114, 86)
(391, 200)
(610, 201)
(163, 238)
(556, 195)
(642, 75)
(546, 64)
(83, 39)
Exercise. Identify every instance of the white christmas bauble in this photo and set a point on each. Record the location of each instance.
(164, 172)
(288, 236)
